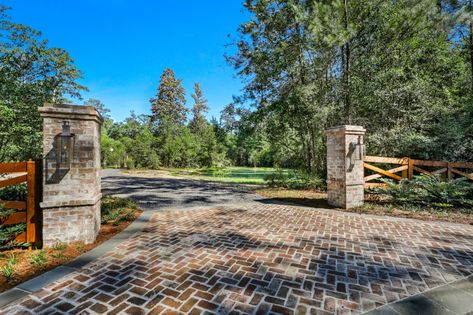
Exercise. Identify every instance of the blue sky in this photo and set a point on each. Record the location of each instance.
(122, 46)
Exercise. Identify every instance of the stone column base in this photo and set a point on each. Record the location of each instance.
(71, 223)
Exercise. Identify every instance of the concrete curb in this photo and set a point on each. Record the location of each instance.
(35, 284)
(453, 298)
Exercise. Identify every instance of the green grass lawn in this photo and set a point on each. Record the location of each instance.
(239, 175)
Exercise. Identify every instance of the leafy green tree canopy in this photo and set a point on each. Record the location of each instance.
(31, 73)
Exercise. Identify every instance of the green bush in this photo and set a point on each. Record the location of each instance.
(115, 210)
(216, 171)
(59, 246)
(39, 259)
(8, 268)
(15, 192)
(294, 180)
(430, 191)
(9, 232)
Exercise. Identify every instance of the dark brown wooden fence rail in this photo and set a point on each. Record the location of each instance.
(27, 211)
(407, 168)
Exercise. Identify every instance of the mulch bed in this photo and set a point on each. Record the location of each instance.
(25, 270)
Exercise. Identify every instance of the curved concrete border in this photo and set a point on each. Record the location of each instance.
(454, 298)
(33, 285)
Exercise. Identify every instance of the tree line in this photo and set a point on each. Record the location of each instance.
(166, 137)
(32, 73)
(403, 69)
(176, 136)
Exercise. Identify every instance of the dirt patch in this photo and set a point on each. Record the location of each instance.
(31, 263)
(152, 174)
(373, 205)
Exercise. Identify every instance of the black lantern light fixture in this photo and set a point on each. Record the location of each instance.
(356, 152)
(65, 147)
(58, 160)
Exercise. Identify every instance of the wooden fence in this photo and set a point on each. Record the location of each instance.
(407, 168)
(28, 211)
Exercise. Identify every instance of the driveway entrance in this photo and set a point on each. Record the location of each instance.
(257, 257)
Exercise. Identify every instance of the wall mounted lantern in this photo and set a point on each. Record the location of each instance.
(58, 160)
(65, 147)
(356, 152)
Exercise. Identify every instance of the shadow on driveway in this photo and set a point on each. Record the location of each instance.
(153, 193)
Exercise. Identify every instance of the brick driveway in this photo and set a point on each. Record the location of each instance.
(262, 258)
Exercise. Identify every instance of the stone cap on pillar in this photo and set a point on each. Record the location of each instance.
(70, 112)
(347, 129)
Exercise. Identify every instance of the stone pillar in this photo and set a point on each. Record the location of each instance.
(345, 174)
(72, 190)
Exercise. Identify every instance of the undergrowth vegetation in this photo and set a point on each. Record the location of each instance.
(237, 175)
(39, 259)
(294, 180)
(429, 191)
(8, 269)
(116, 210)
(9, 232)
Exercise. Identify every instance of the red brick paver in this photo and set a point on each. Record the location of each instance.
(262, 259)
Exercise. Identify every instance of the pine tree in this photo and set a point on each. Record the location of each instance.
(198, 122)
(169, 104)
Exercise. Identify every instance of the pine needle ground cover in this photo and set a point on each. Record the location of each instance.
(17, 265)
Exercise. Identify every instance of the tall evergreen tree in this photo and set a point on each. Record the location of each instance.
(169, 103)
(198, 121)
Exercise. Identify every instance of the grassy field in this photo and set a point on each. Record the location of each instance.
(235, 175)
(238, 175)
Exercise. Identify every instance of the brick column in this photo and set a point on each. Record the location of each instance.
(345, 174)
(72, 194)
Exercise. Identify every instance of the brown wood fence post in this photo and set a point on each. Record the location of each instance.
(38, 217)
(449, 171)
(31, 202)
(405, 173)
(410, 169)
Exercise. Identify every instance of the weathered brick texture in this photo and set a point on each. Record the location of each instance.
(71, 206)
(345, 177)
(261, 259)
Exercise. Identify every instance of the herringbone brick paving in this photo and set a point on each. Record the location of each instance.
(262, 259)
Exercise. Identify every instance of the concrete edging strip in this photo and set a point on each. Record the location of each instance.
(33, 285)
(451, 298)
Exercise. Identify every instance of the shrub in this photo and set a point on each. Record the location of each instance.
(80, 246)
(39, 259)
(15, 192)
(8, 234)
(294, 180)
(430, 191)
(58, 254)
(7, 271)
(116, 210)
(8, 268)
(60, 246)
(216, 171)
